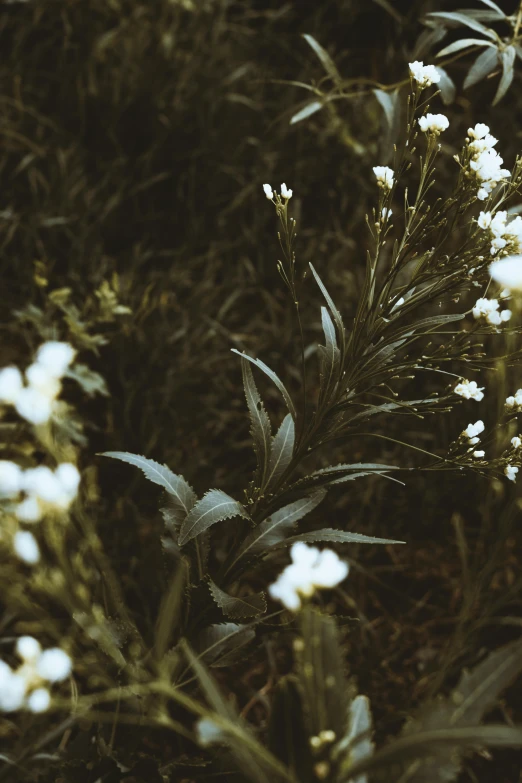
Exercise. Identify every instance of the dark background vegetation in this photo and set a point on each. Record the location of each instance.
(134, 139)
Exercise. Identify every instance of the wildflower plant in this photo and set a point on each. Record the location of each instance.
(226, 556)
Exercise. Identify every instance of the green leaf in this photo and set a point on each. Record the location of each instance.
(170, 610)
(261, 430)
(273, 377)
(91, 381)
(330, 357)
(307, 111)
(320, 669)
(446, 86)
(214, 506)
(495, 7)
(282, 451)
(333, 309)
(507, 57)
(287, 735)
(238, 608)
(337, 473)
(340, 537)
(218, 644)
(182, 495)
(276, 527)
(464, 43)
(388, 105)
(357, 740)
(484, 64)
(326, 61)
(455, 18)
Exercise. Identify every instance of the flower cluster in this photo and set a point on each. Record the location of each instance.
(424, 75)
(384, 176)
(488, 309)
(433, 123)
(511, 472)
(310, 569)
(515, 401)
(285, 192)
(485, 162)
(26, 686)
(34, 402)
(504, 235)
(508, 272)
(469, 390)
(472, 432)
(516, 442)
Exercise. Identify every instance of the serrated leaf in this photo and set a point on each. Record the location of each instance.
(237, 608)
(277, 526)
(455, 18)
(306, 111)
(446, 86)
(91, 381)
(484, 64)
(507, 57)
(180, 491)
(464, 43)
(333, 309)
(325, 59)
(261, 429)
(218, 644)
(215, 506)
(330, 357)
(273, 377)
(340, 537)
(282, 450)
(287, 735)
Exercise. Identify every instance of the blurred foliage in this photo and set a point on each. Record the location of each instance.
(134, 141)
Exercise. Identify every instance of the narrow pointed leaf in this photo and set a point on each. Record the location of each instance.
(446, 86)
(507, 57)
(215, 506)
(330, 356)
(237, 608)
(273, 377)
(388, 105)
(180, 491)
(495, 7)
(357, 740)
(169, 612)
(455, 18)
(326, 61)
(307, 111)
(334, 536)
(333, 309)
(484, 64)
(261, 430)
(464, 43)
(282, 450)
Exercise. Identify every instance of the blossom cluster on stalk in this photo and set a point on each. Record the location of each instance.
(286, 193)
(506, 238)
(485, 164)
(385, 176)
(515, 401)
(26, 687)
(472, 432)
(34, 400)
(470, 390)
(424, 75)
(433, 123)
(489, 310)
(310, 569)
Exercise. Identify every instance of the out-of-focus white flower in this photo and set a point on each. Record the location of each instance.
(69, 477)
(384, 176)
(478, 454)
(516, 442)
(482, 194)
(55, 357)
(44, 484)
(474, 441)
(26, 547)
(33, 406)
(54, 665)
(39, 378)
(28, 648)
(508, 272)
(310, 569)
(472, 430)
(39, 700)
(469, 390)
(511, 472)
(488, 309)
(514, 401)
(510, 402)
(10, 479)
(11, 384)
(12, 689)
(433, 123)
(424, 75)
(29, 510)
(269, 193)
(286, 192)
(386, 214)
(208, 732)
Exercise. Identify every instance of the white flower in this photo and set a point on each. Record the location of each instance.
(479, 131)
(424, 75)
(472, 430)
(384, 176)
(69, 477)
(44, 484)
(55, 357)
(497, 244)
(29, 510)
(487, 166)
(474, 441)
(28, 648)
(488, 309)
(54, 665)
(511, 472)
(33, 406)
(10, 479)
(508, 272)
(516, 442)
(286, 192)
(469, 390)
(39, 700)
(484, 220)
(11, 384)
(268, 191)
(510, 402)
(12, 690)
(478, 454)
(482, 194)
(26, 547)
(39, 378)
(310, 569)
(386, 213)
(433, 123)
